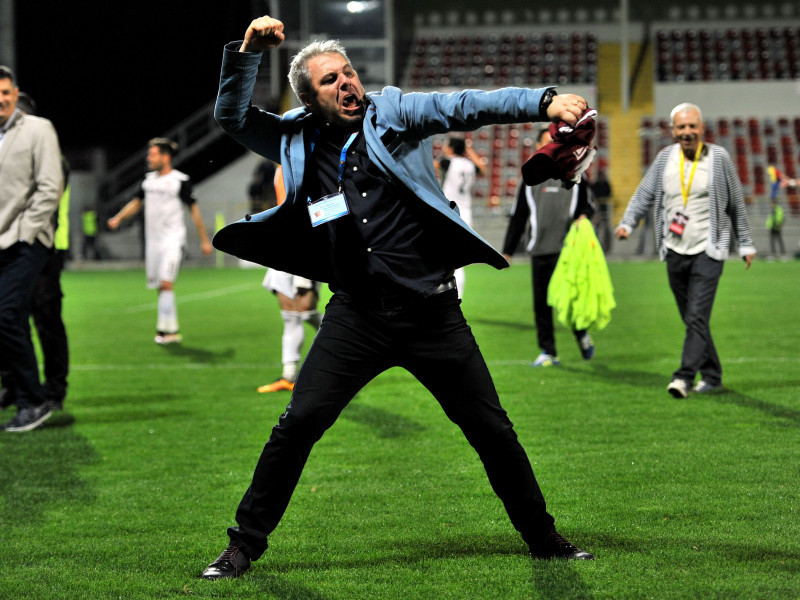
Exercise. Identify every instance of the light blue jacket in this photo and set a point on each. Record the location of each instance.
(282, 237)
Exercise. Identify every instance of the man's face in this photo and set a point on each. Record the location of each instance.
(337, 95)
(156, 160)
(688, 130)
(8, 99)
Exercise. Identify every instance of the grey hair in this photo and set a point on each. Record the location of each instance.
(299, 76)
(683, 107)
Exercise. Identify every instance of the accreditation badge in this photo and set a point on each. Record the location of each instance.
(327, 209)
(678, 223)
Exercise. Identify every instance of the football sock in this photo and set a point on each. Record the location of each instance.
(293, 337)
(312, 317)
(167, 312)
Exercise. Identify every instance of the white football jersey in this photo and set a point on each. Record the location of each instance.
(457, 185)
(164, 197)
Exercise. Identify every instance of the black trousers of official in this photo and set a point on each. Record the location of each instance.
(46, 313)
(542, 268)
(20, 265)
(430, 339)
(45, 308)
(694, 280)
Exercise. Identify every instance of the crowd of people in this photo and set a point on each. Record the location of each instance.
(390, 231)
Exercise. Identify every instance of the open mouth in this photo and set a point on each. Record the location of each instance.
(351, 102)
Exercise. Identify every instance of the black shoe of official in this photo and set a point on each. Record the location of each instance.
(556, 546)
(55, 404)
(29, 418)
(231, 563)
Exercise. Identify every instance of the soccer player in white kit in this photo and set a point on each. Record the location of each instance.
(460, 166)
(297, 298)
(164, 192)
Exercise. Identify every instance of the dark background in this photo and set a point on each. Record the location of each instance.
(114, 74)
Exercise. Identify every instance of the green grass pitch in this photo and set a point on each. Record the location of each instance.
(128, 492)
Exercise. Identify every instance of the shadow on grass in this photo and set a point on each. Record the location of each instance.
(552, 579)
(559, 579)
(275, 587)
(383, 423)
(41, 469)
(629, 377)
(200, 355)
(515, 325)
(729, 396)
(128, 409)
(746, 553)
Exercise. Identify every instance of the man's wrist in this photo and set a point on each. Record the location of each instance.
(545, 102)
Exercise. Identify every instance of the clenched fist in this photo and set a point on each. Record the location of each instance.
(264, 33)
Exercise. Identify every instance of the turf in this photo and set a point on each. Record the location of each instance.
(128, 492)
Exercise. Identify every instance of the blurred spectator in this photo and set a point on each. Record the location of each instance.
(163, 193)
(30, 163)
(89, 249)
(548, 210)
(459, 167)
(698, 203)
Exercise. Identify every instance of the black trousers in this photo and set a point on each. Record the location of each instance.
(432, 340)
(776, 242)
(20, 266)
(694, 280)
(542, 268)
(46, 313)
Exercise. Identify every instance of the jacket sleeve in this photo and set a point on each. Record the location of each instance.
(520, 214)
(255, 129)
(47, 183)
(425, 114)
(736, 208)
(645, 195)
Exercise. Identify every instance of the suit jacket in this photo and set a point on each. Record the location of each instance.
(397, 129)
(30, 181)
(727, 210)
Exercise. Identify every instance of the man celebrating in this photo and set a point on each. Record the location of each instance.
(699, 203)
(164, 192)
(30, 188)
(365, 213)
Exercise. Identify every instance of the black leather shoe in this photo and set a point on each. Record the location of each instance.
(556, 546)
(231, 563)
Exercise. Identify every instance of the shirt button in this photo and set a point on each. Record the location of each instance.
(355, 168)
(363, 194)
(369, 249)
(363, 220)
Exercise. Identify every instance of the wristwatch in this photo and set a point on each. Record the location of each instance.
(545, 102)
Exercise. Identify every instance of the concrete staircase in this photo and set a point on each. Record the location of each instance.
(625, 168)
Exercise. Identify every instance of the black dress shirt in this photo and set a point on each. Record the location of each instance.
(382, 247)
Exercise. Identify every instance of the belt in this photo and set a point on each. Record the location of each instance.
(398, 302)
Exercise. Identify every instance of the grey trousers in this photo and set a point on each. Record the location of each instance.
(693, 280)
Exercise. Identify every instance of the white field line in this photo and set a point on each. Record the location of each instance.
(193, 297)
(225, 365)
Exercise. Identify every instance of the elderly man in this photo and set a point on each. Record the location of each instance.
(30, 188)
(699, 204)
(365, 213)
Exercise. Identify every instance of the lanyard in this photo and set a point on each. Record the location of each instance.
(685, 190)
(343, 158)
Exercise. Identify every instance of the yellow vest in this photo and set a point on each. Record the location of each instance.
(89, 223)
(61, 241)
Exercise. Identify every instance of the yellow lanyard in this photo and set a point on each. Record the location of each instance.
(684, 189)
